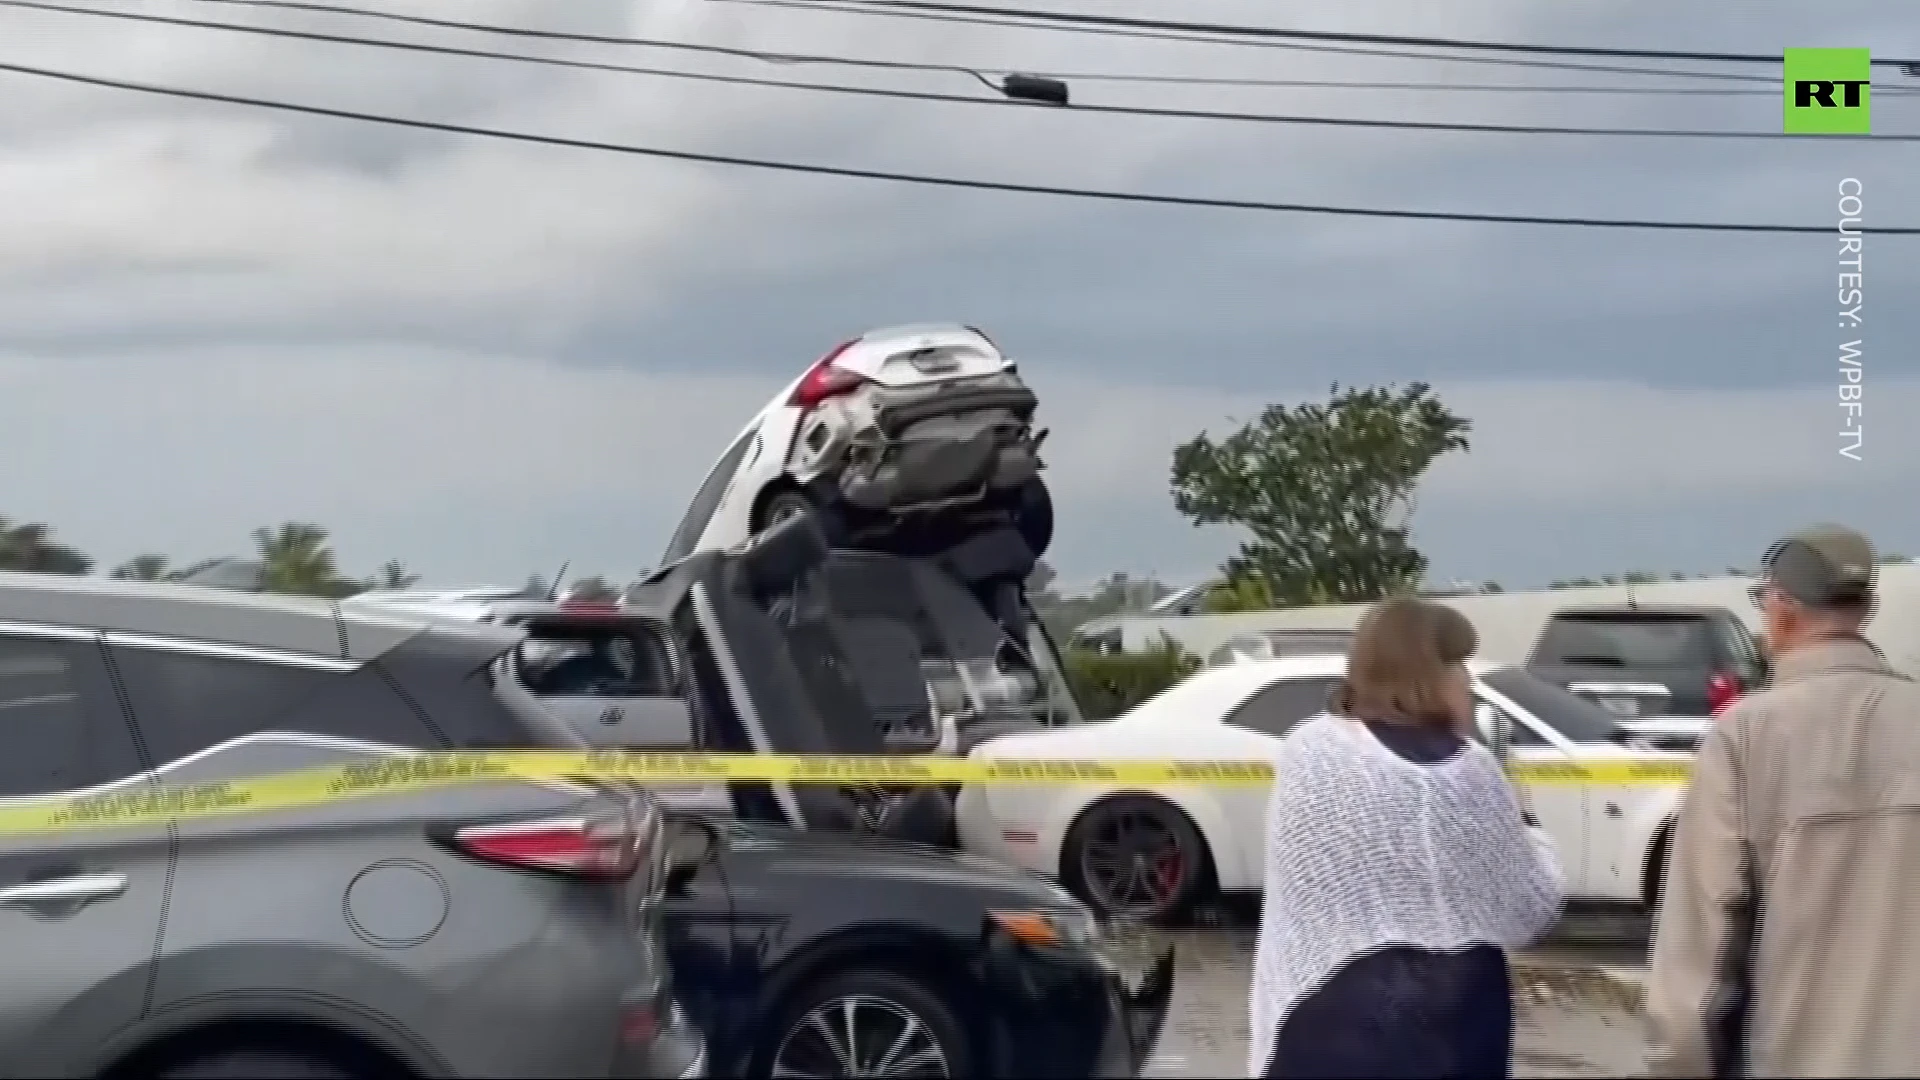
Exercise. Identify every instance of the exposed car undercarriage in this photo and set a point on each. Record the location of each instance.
(797, 647)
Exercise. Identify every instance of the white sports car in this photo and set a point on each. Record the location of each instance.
(1146, 854)
(893, 433)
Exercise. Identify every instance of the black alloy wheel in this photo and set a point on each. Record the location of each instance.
(1135, 858)
(867, 1024)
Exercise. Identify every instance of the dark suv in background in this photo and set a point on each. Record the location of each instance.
(1664, 670)
(509, 929)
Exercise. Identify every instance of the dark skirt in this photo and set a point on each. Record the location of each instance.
(1404, 1013)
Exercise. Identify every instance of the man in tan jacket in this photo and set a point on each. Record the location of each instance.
(1788, 941)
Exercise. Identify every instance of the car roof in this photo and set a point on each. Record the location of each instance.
(300, 625)
(1210, 692)
(482, 604)
(1299, 666)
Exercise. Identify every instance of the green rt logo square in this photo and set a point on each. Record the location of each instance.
(1827, 91)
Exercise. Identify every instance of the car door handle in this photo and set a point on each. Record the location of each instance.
(64, 892)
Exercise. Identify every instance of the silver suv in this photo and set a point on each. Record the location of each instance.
(502, 930)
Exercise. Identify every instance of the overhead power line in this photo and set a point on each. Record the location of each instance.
(1074, 18)
(927, 96)
(922, 179)
(842, 7)
(975, 70)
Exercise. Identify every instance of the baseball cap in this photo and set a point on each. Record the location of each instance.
(1826, 564)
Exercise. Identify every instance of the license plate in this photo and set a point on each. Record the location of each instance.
(1623, 706)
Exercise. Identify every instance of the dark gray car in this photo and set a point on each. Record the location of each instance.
(499, 930)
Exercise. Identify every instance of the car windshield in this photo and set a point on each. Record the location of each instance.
(1575, 717)
(1628, 641)
(581, 658)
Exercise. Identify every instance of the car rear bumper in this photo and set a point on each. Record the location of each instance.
(895, 419)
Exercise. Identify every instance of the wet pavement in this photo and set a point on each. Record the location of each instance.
(1576, 1002)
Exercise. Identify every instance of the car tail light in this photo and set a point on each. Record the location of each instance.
(1722, 691)
(826, 380)
(607, 848)
(639, 1022)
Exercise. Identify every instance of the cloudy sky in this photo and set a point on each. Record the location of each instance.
(484, 358)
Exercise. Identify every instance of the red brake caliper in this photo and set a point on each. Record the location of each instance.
(1170, 866)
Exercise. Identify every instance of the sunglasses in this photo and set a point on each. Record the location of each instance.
(1758, 592)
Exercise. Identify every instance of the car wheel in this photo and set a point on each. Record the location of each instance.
(237, 1064)
(1033, 516)
(1135, 858)
(1656, 889)
(866, 1023)
(784, 504)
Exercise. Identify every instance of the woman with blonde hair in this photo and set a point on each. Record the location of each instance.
(1399, 866)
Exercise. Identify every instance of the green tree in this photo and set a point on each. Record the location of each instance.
(30, 548)
(143, 568)
(1108, 684)
(393, 575)
(297, 558)
(1245, 593)
(1117, 594)
(1326, 490)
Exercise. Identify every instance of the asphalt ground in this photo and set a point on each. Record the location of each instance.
(1576, 998)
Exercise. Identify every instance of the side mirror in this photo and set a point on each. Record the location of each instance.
(1497, 729)
(692, 842)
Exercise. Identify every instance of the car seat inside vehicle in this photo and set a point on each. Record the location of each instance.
(799, 693)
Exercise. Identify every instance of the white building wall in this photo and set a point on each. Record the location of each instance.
(1509, 622)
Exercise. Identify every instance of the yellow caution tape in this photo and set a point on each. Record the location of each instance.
(136, 804)
(1610, 774)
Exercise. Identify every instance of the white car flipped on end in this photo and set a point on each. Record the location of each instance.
(1146, 854)
(899, 430)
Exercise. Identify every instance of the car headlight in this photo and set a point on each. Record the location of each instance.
(1049, 929)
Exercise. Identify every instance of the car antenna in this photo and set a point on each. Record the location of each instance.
(553, 589)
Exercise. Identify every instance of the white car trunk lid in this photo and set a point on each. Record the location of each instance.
(917, 358)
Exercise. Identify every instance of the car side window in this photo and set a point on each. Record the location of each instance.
(1744, 650)
(61, 727)
(707, 500)
(1277, 708)
(188, 702)
(1519, 734)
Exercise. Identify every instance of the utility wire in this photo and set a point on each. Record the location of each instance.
(975, 71)
(925, 96)
(833, 6)
(1072, 18)
(923, 179)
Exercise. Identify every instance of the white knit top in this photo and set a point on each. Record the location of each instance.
(1366, 850)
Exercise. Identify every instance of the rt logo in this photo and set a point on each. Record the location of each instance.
(1827, 91)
